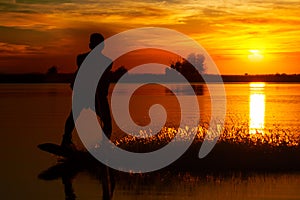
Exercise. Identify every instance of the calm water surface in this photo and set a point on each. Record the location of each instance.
(34, 114)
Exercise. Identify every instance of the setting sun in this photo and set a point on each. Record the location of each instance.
(255, 55)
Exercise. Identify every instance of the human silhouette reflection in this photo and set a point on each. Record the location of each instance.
(68, 188)
(101, 101)
(68, 171)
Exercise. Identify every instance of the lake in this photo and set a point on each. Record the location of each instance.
(35, 113)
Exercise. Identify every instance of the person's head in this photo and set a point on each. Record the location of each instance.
(95, 39)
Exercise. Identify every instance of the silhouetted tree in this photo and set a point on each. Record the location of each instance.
(118, 73)
(52, 70)
(197, 60)
(191, 68)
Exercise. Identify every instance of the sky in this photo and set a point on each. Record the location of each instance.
(241, 36)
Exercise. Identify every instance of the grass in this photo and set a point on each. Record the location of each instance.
(236, 149)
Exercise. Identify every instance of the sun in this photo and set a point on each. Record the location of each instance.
(255, 55)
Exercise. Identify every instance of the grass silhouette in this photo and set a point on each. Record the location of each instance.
(236, 149)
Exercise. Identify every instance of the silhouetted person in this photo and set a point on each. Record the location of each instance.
(101, 102)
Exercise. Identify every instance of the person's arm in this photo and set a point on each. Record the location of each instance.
(79, 60)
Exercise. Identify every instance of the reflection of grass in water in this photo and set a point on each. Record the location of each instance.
(217, 186)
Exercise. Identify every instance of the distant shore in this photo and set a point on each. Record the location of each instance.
(67, 78)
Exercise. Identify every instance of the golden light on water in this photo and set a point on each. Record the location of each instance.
(257, 108)
(257, 86)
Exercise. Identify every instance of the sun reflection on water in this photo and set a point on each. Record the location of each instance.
(257, 108)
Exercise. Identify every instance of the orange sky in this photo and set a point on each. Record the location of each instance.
(36, 34)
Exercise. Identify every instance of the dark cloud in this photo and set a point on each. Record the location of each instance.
(10, 7)
(265, 20)
(44, 1)
(15, 35)
(215, 12)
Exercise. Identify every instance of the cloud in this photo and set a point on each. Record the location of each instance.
(7, 49)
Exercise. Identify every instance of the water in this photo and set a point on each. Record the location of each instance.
(34, 114)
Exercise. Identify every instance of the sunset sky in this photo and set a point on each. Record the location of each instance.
(242, 36)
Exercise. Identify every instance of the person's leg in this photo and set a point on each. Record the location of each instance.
(103, 111)
(69, 127)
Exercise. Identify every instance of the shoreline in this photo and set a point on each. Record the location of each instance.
(137, 78)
